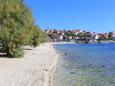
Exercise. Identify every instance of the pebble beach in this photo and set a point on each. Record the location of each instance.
(34, 69)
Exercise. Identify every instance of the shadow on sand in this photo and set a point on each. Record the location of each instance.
(3, 55)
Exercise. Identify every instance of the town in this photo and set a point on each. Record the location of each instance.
(79, 36)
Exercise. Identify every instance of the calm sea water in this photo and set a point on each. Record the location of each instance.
(85, 65)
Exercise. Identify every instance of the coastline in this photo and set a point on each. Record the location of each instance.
(36, 68)
(63, 42)
(50, 70)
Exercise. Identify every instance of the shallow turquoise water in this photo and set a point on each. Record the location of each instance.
(85, 65)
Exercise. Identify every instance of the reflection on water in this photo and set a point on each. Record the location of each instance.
(85, 65)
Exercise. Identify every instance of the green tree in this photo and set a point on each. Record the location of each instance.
(38, 36)
(35, 36)
(15, 23)
(70, 33)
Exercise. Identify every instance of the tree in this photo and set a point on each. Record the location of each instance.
(15, 23)
(35, 36)
(70, 33)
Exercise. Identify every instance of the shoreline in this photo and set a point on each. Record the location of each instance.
(50, 71)
(36, 68)
(62, 43)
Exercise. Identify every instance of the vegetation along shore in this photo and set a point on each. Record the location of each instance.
(28, 54)
(20, 37)
(17, 28)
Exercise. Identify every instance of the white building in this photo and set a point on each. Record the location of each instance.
(61, 37)
(113, 34)
(96, 37)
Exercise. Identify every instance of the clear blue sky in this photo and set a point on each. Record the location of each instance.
(90, 15)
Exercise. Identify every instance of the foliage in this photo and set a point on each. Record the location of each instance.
(16, 27)
(36, 36)
(84, 36)
(70, 33)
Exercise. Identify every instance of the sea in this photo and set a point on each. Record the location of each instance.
(85, 65)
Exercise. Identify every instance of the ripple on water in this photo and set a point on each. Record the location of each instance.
(86, 65)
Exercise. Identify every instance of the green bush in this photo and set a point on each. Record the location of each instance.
(16, 27)
(35, 36)
(38, 36)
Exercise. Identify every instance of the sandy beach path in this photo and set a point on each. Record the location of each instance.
(31, 70)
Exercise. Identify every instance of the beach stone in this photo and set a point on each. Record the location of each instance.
(28, 70)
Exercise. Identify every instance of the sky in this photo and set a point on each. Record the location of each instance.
(89, 15)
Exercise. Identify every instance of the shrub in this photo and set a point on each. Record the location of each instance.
(15, 21)
(17, 28)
